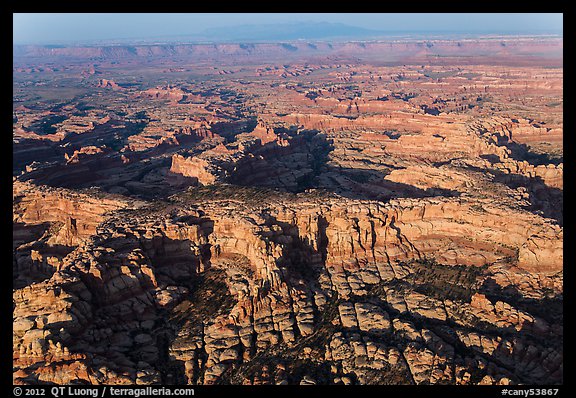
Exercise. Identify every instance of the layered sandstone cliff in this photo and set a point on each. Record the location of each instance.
(338, 272)
(310, 219)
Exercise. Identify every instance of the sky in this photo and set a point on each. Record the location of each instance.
(55, 28)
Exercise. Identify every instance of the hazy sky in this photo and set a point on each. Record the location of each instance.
(47, 28)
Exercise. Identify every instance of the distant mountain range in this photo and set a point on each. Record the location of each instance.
(396, 50)
(289, 31)
(294, 31)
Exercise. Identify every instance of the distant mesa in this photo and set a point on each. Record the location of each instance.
(105, 83)
(272, 48)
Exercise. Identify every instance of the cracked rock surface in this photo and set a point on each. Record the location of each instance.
(328, 221)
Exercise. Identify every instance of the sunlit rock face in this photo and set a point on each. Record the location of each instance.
(293, 214)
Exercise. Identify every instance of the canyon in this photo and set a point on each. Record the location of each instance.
(294, 213)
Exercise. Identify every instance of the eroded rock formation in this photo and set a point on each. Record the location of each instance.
(398, 224)
(340, 273)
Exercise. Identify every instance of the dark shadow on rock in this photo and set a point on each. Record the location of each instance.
(276, 167)
(28, 237)
(109, 170)
(549, 308)
(291, 167)
(300, 258)
(28, 269)
(523, 152)
(369, 184)
(27, 151)
(301, 164)
(25, 233)
(502, 356)
(175, 263)
(230, 129)
(520, 152)
(491, 158)
(544, 200)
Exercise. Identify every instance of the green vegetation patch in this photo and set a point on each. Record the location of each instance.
(455, 282)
